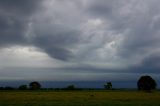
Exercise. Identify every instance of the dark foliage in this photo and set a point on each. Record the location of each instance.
(1, 88)
(8, 88)
(108, 85)
(23, 87)
(70, 87)
(35, 85)
(146, 83)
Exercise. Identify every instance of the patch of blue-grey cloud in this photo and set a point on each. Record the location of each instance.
(83, 37)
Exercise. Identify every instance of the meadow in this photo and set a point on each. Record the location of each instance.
(79, 98)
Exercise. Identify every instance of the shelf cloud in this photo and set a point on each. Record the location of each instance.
(82, 36)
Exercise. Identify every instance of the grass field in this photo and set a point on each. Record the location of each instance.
(79, 98)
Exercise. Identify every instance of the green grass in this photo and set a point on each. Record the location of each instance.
(79, 98)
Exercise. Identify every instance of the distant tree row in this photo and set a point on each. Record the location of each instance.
(7, 88)
(36, 86)
(32, 86)
(146, 83)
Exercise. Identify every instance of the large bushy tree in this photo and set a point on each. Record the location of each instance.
(35, 85)
(146, 83)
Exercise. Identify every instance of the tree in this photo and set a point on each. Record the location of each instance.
(8, 88)
(108, 85)
(1, 88)
(70, 87)
(23, 87)
(146, 83)
(35, 85)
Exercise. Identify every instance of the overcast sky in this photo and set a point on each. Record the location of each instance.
(86, 40)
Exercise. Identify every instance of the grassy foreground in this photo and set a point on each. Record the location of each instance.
(79, 98)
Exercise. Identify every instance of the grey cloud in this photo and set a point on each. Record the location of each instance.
(141, 37)
(14, 19)
(20, 20)
(152, 60)
(22, 7)
(97, 39)
(60, 53)
(12, 31)
(135, 21)
(150, 64)
(57, 43)
(59, 29)
(100, 8)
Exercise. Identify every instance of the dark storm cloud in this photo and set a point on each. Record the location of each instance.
(149, 65)
(57, 44)
(23, 7)
(137, 23)
(14, 19)
(103, 31)
(16, 22)
(113, 11)
(100, 8)
(59, 53)
(140, 29)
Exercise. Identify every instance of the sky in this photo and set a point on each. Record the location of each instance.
(79, 40)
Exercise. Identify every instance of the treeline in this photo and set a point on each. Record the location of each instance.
(38, 87)
(146, 83)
